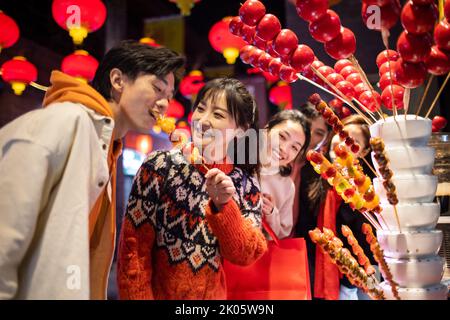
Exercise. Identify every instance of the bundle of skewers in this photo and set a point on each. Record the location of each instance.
(358, 270)
(346, 174)
(359, 274)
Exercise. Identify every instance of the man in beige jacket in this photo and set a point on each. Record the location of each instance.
(57, 173)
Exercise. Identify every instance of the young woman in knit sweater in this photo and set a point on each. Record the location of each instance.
(288, 136)
(182, 219)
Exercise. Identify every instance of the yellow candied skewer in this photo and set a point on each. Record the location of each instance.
(336, 179)
(341, 184)
(363, 183)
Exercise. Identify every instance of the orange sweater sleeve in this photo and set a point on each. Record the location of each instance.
(240, 242)
(134, 265)
(137, 235)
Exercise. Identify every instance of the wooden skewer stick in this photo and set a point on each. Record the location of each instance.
(397, 218)
(384, 221)
(38, 86)
(370, 113)
(370, 167)
(437, 95)
(385, 37)
(427, 88)
(441, 9)
(303, 78)
(394, 106)
(347, 101)
(406, 98)
(356, 64)
(371, 214)
(372, 221)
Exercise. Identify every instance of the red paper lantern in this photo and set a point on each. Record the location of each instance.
(185, 6)
(9, 31)
(80, 65)
(149, 41)
(175, 109)
(19, 73)
(79, 17)
(281, 95)
(223, 41)
(192, 83)
(142, 143)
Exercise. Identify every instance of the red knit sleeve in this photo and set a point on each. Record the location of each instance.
(137, 236)
(240, 241)
(134, 265)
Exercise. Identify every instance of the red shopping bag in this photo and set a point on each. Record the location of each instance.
(280, 274)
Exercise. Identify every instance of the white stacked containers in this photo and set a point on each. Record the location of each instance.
(412, 254)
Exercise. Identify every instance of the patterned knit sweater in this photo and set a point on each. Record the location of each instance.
(172, 241)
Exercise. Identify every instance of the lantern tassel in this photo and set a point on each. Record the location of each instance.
(185, 6)
(78, 34)
(231, 55)
(18, 87)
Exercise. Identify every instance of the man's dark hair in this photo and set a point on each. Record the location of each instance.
(135, 59)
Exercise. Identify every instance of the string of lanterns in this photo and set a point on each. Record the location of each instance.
(79, 18)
